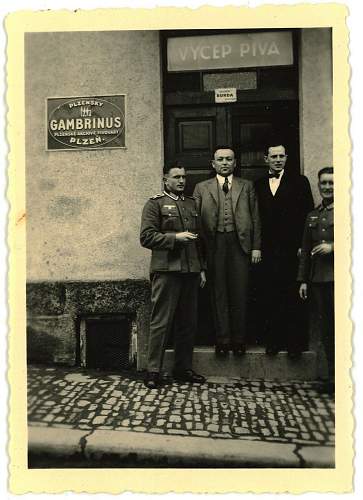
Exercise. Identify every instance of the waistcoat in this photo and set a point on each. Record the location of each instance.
(226, 222)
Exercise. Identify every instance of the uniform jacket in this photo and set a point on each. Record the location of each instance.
(283, 215)
(319, 228)
(245, 210)
(162, 217)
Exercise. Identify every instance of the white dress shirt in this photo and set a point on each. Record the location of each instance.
(221, 180)
(275, 182)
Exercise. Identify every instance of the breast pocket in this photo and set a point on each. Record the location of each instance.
(313, 226)
(170, 218)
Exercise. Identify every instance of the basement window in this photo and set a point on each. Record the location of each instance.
(107, 342)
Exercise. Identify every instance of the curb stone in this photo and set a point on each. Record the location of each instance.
(179, 450)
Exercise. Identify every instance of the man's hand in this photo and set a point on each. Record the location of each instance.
(322, 249)
(256, 256)
(303, 291)
(185, 237)
(203, 279)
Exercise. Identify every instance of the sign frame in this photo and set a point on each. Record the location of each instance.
(223, 67)
(85, 148)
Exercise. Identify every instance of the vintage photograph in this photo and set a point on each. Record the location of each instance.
(179, 205)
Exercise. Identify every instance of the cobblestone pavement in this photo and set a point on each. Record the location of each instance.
(290, 412)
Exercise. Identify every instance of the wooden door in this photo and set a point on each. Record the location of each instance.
(191, 135)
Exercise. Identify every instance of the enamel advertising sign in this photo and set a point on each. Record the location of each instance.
(96, 122)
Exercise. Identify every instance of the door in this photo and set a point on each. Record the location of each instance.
(192, 132)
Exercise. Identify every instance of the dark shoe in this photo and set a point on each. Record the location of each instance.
(238, 349)
(272, 351)
(189, 376)
(221, 350)
(152, 380)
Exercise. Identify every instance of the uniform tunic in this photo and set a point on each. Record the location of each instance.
(319, 228)
(318, 271)
(175, 273)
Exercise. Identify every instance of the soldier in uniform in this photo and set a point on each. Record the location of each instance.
(316, 269)
(169, 228)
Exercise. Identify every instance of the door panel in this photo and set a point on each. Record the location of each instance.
(256, 126)
(191, 134)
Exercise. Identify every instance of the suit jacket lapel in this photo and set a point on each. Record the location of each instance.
(213, 189)
(282, 187)
(266, 187)
(237, 186)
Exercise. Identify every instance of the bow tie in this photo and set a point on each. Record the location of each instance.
(276, 175)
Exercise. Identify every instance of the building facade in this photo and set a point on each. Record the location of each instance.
(87, 275)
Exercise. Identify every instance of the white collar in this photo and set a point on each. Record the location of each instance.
(275, 178)
(174, 197)
(221, 179)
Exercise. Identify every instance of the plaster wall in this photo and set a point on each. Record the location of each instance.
(84, 207)
(316, 103)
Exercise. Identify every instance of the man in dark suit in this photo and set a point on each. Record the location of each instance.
(231, 232)
(284, 202)
(169, 227)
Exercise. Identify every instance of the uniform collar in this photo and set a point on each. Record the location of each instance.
(174, 196)
(327, 207)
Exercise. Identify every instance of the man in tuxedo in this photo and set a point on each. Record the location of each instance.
(284, 201)
(231, 231)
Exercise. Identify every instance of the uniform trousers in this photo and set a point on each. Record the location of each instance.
(228, 270)
(323, 297)
(174, 303)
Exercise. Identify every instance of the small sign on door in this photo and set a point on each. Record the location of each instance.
(225, 95)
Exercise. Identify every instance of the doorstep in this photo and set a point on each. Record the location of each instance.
(255, 364)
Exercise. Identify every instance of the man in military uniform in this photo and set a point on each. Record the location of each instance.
(169, 227)
(316, 269)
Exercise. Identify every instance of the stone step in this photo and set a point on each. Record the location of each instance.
(255, 364)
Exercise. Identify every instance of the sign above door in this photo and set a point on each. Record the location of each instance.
(241, 50)
(225, 95)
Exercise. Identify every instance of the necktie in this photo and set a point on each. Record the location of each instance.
(276, 175)
(225, 186)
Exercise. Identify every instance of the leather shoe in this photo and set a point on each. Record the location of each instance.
(189, 376)
(238, 349)
(152, 380)
(221, 350)
(272, 351)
